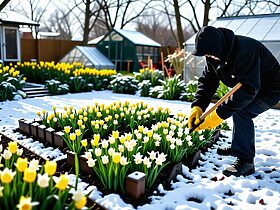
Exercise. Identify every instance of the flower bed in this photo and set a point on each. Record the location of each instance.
(112, 141)
(26, 184)
(75, 75)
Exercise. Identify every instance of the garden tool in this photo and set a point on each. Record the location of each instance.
(218, 103)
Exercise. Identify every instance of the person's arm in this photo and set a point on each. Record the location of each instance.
(249, 77)
(207, 86)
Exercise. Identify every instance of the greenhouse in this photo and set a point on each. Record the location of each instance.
(89, 57)
(128, 49)
(264, 28)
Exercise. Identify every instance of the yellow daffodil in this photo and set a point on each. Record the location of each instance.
(67, 129)
(73, 136)
(25, 203)
(81, 203)
(21, 164)
(29, 175)
(116, 157)
(7, 176)
(13, 146)
(50, 167)
(62, 182)
(84, 143)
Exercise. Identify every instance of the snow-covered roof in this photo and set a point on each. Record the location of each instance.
(96, 40)
(89, 57)
(260, 27)
(16, 18)
(137, 38)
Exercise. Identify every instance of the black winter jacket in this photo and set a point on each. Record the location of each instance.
(245, 60)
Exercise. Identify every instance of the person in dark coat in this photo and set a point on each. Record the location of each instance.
(231, 59)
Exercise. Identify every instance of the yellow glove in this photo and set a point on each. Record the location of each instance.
(196, 112)
(210, 122)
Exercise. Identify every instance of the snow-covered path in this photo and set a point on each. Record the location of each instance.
(218, 193)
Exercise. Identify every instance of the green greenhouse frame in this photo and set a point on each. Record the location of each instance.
(128, 50)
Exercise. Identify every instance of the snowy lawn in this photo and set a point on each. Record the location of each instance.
(202, 188)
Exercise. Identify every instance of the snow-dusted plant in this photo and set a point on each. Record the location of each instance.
(124, 84)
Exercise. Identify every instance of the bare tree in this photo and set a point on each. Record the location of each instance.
(121, 11)
(154, 25)
(60, 21)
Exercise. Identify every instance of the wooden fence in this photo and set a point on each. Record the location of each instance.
(54, 50)
(45, 49)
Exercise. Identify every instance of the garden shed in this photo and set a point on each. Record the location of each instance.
(89, 57)
(10, 22)
(128, 50)
(264, 28)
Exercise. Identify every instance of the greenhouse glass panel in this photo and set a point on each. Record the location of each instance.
(247, 26)
(222, 23)
(262, 27)
(273, 34)
(234, 25)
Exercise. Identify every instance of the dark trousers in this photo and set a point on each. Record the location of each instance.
(243, 138)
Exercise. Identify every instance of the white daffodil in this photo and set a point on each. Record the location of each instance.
(128, 146)
(147, 162)
(180, 134)
(145, 130)
(179, 142)
(173, 127)
(112, 140)
(7, 154)
(98, 152)
(160, 159)
(105, 159)
(157, 143)
(121, 148)
(104, 144)
(91, 162)
(181, 130)
(145, 139)
(34, 164)
(139, 136)
(105, 126)
(153, 155)
(148, 115)
(123, 161)
(115, 122)
(77, 196)
(201, 138)
(111, 151)
(188, 138)
(43, 180)
(133, 142)
(138, 158)
(172, 146)
(172, 140)
(165, 131)
(171, 133)
(168, 138)
(19, 152)
(187, 131)
(88, 155)
(155, 127)
(190, 143)
(139, 117)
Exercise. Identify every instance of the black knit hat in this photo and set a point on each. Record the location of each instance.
(209, 40)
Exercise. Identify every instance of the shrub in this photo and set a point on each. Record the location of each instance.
(190, 91)
(55, 87)
(172, 88)
(78, 84)
(145, 87)
(154, 76)
(124, 84)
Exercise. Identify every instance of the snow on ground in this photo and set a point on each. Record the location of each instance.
(194, 189)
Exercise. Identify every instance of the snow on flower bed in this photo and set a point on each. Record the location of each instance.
(203, 187)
